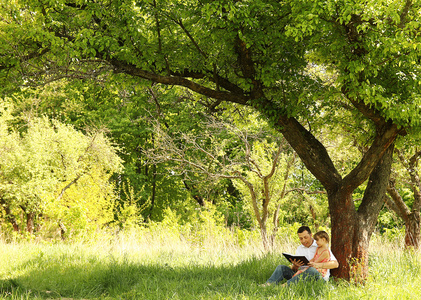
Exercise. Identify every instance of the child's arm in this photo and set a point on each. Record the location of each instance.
(319, 264)
(323, 256)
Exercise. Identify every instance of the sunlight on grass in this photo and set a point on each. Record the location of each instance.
(144, 264)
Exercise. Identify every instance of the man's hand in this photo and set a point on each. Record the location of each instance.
(296, 264)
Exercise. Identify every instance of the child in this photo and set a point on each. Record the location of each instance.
(322, 253)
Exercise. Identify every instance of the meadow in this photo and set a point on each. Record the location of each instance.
(163, 263)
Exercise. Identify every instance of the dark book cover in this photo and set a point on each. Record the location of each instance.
(291, 257)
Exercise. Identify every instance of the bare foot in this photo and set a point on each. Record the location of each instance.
(266, 284)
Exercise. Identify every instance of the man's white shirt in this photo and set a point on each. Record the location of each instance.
(310, 252)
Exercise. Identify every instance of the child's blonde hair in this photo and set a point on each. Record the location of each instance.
(321, 234)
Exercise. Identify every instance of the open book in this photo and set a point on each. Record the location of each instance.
(291, 257)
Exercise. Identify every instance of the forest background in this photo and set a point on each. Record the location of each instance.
(97, 132)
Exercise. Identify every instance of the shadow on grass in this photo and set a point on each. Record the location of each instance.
(55, 279)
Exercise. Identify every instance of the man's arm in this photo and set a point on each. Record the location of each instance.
(332, 264)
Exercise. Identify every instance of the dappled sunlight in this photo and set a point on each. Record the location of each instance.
(139, 265)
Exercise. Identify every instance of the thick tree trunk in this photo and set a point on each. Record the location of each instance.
(352, 229)
(343, 223)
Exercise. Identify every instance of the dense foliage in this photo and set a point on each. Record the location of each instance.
(52, 174)
(353, 63)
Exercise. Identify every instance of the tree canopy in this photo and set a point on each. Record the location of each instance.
(254, 53)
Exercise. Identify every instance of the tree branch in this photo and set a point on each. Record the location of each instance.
(68, 186)
(196, 45)
(311, 151)
(391, 205)
(302, 190)
(370, 159)
(123, 67)
(404, 13)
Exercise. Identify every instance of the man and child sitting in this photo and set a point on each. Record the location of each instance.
(316, 250)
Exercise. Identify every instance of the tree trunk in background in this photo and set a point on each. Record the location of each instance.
(194, 193)
(411, 218)
(153, 196)
(30, 222)
(412, 236)
(412, 230)
(11, 218)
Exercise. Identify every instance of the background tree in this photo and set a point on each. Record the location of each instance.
(404, 190)
(224, 151)
(124, 108)
(42, 163)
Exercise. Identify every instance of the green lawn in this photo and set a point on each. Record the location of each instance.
(132, 267)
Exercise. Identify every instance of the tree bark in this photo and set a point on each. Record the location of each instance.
(411, 218)
(412, 230)
(412, 236)
(343, 228)
(30, 222)
(352, 229)
(11, 218)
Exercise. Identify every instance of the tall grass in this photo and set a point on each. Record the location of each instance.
(162, 263)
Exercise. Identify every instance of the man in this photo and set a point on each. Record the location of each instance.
(307, 248)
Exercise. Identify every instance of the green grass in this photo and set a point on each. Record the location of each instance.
(133, 267)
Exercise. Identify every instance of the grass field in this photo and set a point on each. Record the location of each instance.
(147, 266)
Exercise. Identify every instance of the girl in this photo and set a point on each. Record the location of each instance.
(322, 254)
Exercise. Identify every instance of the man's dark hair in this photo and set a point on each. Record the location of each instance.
(304, 228)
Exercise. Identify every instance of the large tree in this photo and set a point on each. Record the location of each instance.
(253, 53)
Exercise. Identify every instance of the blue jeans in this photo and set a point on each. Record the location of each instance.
(283, 272)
